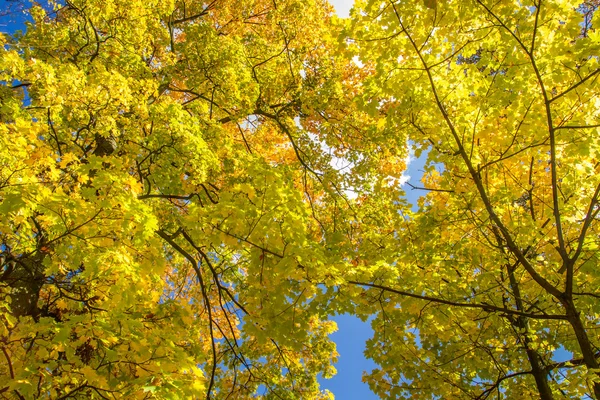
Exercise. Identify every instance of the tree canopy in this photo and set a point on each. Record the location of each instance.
(190, 190)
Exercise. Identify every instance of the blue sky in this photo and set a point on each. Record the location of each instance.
(352, 332)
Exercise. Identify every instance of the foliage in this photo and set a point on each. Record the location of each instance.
(189, 190)
(163, 197)
(498, 269)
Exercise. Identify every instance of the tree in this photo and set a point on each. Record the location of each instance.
(498, 270)
(166, 189)
(189, 190)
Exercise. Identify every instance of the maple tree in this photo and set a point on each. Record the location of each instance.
(164, 192)
(189, 190)
(476, 292)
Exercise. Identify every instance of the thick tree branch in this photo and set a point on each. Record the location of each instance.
(481, 306)
(169, 239)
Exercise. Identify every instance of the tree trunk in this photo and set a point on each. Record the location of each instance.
(25, 278)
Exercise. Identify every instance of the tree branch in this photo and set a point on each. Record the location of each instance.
(481, 306)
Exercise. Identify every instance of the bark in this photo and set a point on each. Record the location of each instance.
(538, 369)
(25, 278)
(587, 351)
